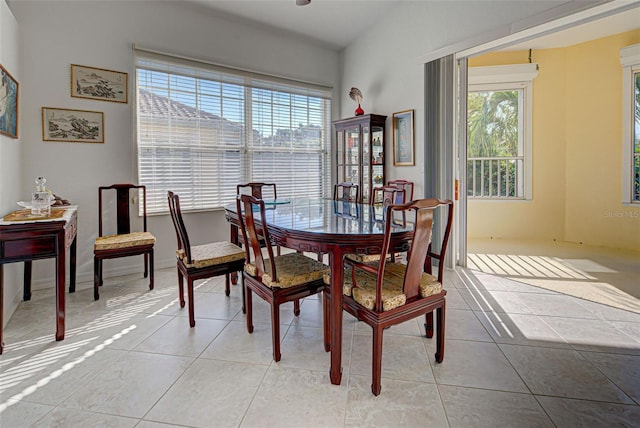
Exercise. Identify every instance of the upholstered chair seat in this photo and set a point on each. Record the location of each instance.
(212, 254)
(292, 268)
(127, 240)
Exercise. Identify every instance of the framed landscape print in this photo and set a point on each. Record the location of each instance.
(75, 126)
(99, 84)
(403, 147)
(8, 104)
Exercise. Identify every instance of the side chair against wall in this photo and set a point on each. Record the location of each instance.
(201, 261)
(386, 293)
(406, 185)
(276, 279)
(124, 242)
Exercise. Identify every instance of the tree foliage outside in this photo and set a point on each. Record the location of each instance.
(492, 132)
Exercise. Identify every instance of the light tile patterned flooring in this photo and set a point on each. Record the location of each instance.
(516, 355)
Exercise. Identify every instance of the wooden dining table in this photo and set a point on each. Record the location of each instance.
(330, 227)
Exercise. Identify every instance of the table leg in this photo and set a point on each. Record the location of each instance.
(26, 294)
(234, 240)
(60, 283)
(336, 261)
(72, 264)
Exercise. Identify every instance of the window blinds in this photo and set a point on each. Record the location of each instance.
(204, 128)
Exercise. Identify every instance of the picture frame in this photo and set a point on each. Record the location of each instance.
(403, 145)
(99, 84)
(73, 126)
(9, 99)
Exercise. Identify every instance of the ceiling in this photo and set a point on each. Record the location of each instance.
(332, 23)
(337, 23)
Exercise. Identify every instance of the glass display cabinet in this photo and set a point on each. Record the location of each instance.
(360, 143)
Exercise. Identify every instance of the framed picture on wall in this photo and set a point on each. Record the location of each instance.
(99, 84)
(8, 104)
(74, 126)
(403, 147)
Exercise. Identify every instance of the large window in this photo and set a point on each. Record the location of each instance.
(499, 132)
(203, 129)
(630, 58)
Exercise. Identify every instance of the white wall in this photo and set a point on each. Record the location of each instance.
(11, 154)
(55, 34)
(386, 64)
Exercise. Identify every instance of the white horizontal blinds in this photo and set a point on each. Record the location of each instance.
(203, 129)
(290, 141)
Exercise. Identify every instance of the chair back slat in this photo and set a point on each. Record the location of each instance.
(178, 224)
(248, 207)
(123, 210)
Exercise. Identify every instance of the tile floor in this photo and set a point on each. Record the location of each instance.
(516, 355)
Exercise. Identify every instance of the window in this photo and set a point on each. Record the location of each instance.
(203, 129)
(499, 132)
(630, 59)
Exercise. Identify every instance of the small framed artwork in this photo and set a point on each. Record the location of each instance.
(99, 84)
(403, 146)
(74, 126)
(8, 104)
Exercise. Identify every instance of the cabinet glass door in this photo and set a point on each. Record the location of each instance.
(352, 155)
(340, 156)
(377, 155)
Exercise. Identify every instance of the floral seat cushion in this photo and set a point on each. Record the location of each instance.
(292, 268)
(392, 293)
(127, 240)
(212, 254)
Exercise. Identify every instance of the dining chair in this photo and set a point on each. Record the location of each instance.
(386, 195)
(346, 191)
(258, 190)
(276, 279)
(386, 293)
(380, 197)
(406, 185)
(124, 242)
(201, 261)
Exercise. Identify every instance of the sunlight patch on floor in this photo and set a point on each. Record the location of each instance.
(568, 276)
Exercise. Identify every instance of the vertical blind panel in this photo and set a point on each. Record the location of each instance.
(202, 132)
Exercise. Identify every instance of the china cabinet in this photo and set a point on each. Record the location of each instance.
(360, 143)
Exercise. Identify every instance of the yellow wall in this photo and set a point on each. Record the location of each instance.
(577, 151)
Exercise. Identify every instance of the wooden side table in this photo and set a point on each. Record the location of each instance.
(27, 240)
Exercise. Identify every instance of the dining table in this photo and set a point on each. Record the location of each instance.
(326, 226)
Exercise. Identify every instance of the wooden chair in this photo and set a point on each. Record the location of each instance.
(380, 197)
(385, 293)
(258, 190)
(124, 242)
(406, 185)
(386, 195)
(201, 261)
(346, 192)
(276, 279)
